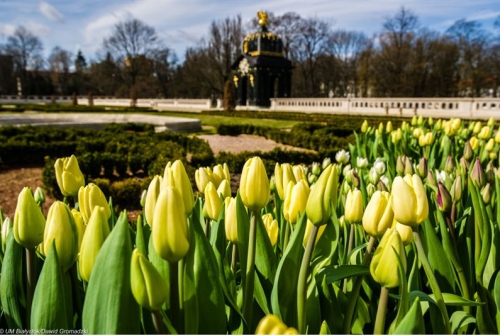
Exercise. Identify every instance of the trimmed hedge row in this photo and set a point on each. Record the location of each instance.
(56, 107)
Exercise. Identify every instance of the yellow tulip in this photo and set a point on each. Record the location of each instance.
(309, 226)
(409, 200)
(417, 132)
(474, 142)
(378, 215)
(151, 197)
(202, 176)
(230, 220)
(271, 226)
(177, 177)
(96, 233)
(147, 284)
(485, 133)
(322, 196)
(405, 232)
(497, 136)
(388, 127)
(80, 226)
(272, 325)
(213, 204)
(478, 126)
(224, 189)
(364, 126)
(29, 222)
(222, 172)
(61, 228)
(295, 200)
(282, 175)
(299, 173)
(68, 175)
(254, 184)
(89, 197)
(170, 233)
(384, 265)
(353, 212)
(490, 145)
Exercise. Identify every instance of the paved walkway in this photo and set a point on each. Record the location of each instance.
(99, 120)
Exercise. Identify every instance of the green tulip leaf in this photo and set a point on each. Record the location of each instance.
(335, 273)
(284, 293)
(11, 283)
(110, 307)
(460, 319)
(210, 296)
(413, 322)
(265, 258)
(49, 304)
(455, 300)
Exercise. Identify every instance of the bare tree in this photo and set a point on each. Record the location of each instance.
(26, 51)
(130, 42)
(59, 63)
(164, 63)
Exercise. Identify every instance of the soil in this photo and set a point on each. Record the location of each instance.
(12, 181)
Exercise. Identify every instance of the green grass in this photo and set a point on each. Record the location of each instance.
(211, 122)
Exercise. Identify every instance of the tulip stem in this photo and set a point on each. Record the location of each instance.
(250, 272)
(31, 283)
(181, 292)
(207, 228)
(76, 293)
(287, 236)
(302, 283)
(349, 249)
(352, 298)
(432, 280)
(381, 312)
(174, 296)
(158, 322)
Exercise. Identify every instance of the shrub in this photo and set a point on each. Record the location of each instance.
(126, 193)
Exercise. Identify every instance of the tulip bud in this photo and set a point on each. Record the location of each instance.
(478, 126)
(417, 132)
(485, 133)
(400, 165)
(148, 286)
(354, 206)
(29, 222)
(316, 169)
(361, 162)
(6, 227)
(477, 174)
(370, 190)
(170, 232)
(449, 166)
(342, 156)
(283, 174)
(439, 124)
(409, 201)
(272, 325)
(474, 143)
(373, 176)
(430, 121)
(96, 233)
(254, 184)
(322, 196)
(326, 162)
(177, 177)
(271, 226)
(388, 127)
(68, 175)
(312, 179)
(300, 172)
(456, 189)
(443, 198)
(80, 226)
(497, 136)
(61, 228)
(378, 216)
(143, 198)
(493, 155)
(408, 166)
(405, 232)
(295, 200)
(383, 184)
(151, 197)
(364, 126)
(379, 166)
(213, 204)
(489, 173)
(486, 193)
(39, 196)
(422, 168)
(89, 197)
(414, 121)
(230, 220)
(468, 151)
(221, 172)
(224, 189)
(420, 120)
(491, 121)
(347, 172)
(431, 179)
(384, 265)
(202, 176)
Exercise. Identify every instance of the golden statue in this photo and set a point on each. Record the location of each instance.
(262, 18)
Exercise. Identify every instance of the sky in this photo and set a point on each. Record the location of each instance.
(84, 24)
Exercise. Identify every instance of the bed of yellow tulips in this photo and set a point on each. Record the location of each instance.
(399, 235)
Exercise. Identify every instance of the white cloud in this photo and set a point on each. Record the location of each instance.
(50, 12)
(7, 29)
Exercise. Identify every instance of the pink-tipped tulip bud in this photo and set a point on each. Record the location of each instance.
(422, 168)
(456, 189)
(443, 198)
(477, 174)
